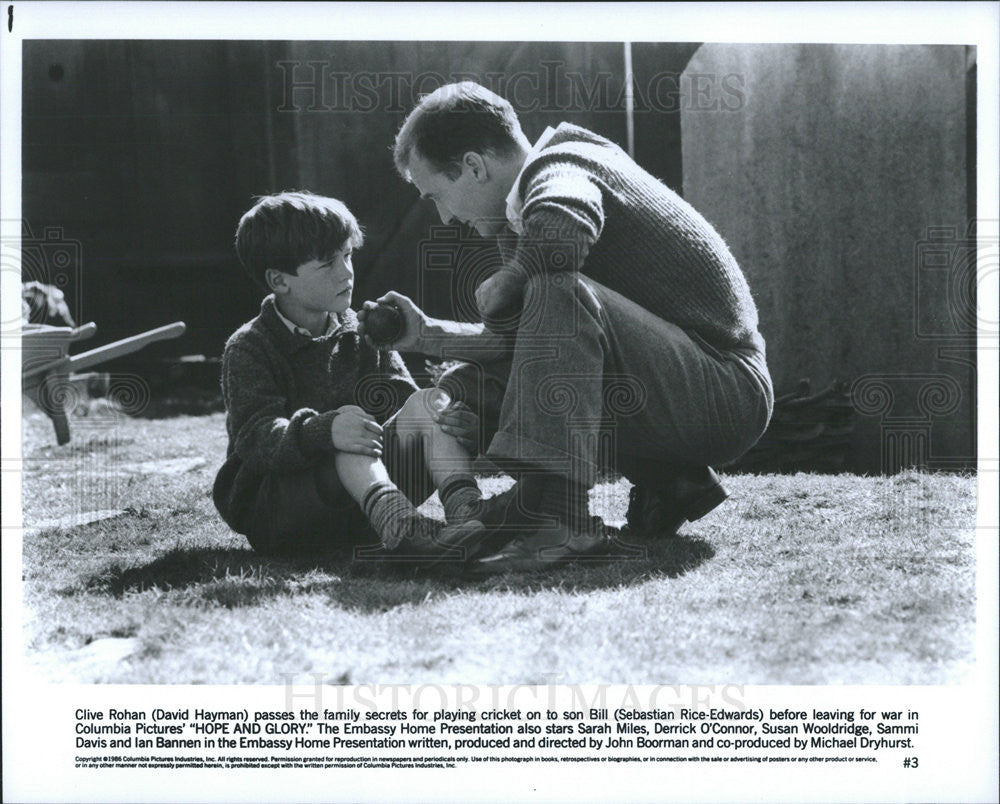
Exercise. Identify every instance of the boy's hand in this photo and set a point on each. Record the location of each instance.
(499, 297)
(459, 421)
(355, 431)
(414, 322)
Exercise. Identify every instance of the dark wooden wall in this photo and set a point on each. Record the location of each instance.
(146, 153)
(842, 186)
(140, 156)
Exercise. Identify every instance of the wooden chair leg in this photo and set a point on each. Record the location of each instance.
(51, 398)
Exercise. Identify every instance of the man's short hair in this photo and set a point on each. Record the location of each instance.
(285, 230)
(450, 122)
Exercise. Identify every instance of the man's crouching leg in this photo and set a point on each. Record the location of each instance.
(552, 427)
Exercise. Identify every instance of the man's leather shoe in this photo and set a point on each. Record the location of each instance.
(662, 510)
(546, 548)
(513, 510)
(505, 517)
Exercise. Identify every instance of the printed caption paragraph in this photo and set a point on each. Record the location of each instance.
(443, 738)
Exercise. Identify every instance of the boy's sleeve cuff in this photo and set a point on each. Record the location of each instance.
(316, 435)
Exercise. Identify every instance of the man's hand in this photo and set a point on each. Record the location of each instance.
(499, 299)
(414, 322)
(459, 421)
(355, 431)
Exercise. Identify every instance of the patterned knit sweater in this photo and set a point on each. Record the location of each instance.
(281, 391)
(588, 206)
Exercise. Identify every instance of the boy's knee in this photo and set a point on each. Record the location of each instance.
(464, 383)
(477, 386)
(421, 403)
(418, 409)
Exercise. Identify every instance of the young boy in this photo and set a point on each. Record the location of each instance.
(311, 408)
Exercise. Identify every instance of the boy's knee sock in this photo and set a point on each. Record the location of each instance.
(567, 500)
(461, 498)
(390, 512)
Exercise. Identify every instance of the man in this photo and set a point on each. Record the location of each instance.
(619, 325)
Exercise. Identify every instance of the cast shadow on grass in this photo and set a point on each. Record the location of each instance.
(232, 578)
(632, 563)
(240, 578)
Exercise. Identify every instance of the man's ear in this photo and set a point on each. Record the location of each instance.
(276, 280)
(475, 162)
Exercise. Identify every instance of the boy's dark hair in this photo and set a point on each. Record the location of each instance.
(453, 120)
(285, 230)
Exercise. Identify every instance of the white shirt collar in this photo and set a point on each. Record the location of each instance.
(331, 325)
(514, 203)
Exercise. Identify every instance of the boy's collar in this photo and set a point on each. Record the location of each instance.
(332, 325)
(290, 341)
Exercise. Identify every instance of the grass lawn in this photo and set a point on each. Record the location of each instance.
(805, 579)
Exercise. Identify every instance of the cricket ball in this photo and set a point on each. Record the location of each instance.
(384, 323)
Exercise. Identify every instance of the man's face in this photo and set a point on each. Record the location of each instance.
(474, 198)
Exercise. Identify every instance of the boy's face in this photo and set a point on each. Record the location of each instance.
(322, 285)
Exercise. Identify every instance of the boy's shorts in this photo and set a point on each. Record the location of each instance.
(291, 515)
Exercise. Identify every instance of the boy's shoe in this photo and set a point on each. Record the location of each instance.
(662, 510)
(546, 548)
(430, 542)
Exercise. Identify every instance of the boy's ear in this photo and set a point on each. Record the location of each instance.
(276, 280)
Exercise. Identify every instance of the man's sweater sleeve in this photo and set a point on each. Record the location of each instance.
(563, 216)
(261, 432)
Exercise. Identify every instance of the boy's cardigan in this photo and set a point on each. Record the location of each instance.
(587, 206)
(281, 391)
